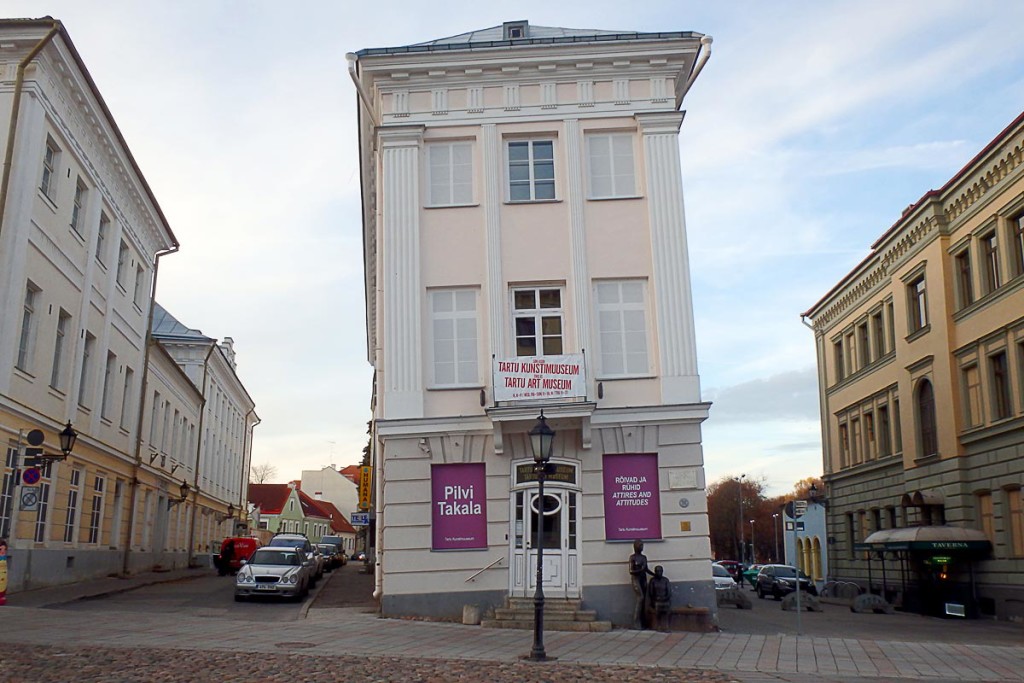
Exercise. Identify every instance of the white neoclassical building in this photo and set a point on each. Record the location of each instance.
(526, 251)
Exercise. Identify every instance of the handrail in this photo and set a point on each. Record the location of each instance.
(484, 569)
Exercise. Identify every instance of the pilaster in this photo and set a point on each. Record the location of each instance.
(672, 292)
(492, 160)
(400, 281)
(578, 238)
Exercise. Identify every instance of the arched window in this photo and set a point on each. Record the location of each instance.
(816, 560)
(926, 432)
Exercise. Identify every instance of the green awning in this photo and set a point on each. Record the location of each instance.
(945, 539)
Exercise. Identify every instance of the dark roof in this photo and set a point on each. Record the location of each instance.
(312, 508)
(166, 326)
(270, 498)
(494, 36)
(339, 523)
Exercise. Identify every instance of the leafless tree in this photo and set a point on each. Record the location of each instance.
(262, 473)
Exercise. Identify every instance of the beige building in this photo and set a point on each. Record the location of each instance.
(921, 372)
(526, 253)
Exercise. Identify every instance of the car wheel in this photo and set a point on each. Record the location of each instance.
(760, 593)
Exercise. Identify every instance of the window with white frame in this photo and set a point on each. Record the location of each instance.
(71, 518)
(454, 337)
(107, 400)
(537, 316)
(78, 206)
(43, 510)
(51, 160)
(122, 263)
(26, 342)
(102, 233)
(917, 304)
(622, 327)
(610, 166)
(59, 349)
(990, 262)
(138, 296)
(88, 349)
(531, 170)
(126, 396)
(449, 173)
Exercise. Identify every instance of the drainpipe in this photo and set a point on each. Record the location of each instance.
(199, 450)
(19, 83)
(137, 464)
(353, 60)
(704, 55)
(243, 492)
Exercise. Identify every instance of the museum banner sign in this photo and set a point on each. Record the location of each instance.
(632, 507)
(458, 505)
(539, 377)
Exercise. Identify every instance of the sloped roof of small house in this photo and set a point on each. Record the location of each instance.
(312, 508)
(166, 326)
(270, 498)
(339, 523)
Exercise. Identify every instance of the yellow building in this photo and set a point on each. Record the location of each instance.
(921, 373)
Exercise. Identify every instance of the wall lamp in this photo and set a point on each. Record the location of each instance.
(183, 495)
(229, 515)
(35, 440)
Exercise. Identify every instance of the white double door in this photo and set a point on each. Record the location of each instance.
(558, 521)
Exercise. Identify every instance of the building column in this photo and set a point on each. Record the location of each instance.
(400, 277)
(578, 247)
(493, 160)
(671, 288)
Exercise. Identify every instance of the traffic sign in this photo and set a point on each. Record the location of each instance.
(31, 476)
(29, 497)
(800, 507)
(360, 519)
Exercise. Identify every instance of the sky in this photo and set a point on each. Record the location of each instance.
(813, 125)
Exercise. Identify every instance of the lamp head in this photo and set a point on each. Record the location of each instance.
(67, 439)
(542, 438)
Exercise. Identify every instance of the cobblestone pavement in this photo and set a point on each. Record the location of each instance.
(120, 665)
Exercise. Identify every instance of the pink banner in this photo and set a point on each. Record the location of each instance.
(458, 504)
(632, 507)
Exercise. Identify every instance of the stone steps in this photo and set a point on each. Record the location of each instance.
(559, 615)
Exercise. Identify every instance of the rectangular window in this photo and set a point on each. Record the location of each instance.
(107, 400)
(71, 519)
(855, 442)
(1015, 508)
(844, 446)
(43, 511)
(7, 490)
(26, 342)
(863, 349)
(126, 396)
(964, 279)
(974, 414)
(83, 379)
(892, 517)
(897, 425)
(838, 359)
(870, 443)
(851, 532)
(1002, 402)
(78, 206)
(890, 311)
(622, 328)
(990, 262)
(450, 173)
(917, 305)
(102, 233)
(122, 263)
(138, 295)
(884, 432)
(96, 512)
(1017, 240)
(455, 337)
(531, 170)
(153, 418)
(538, 321)
(51, 159)
(610, 165)
(59, 348)
(878, 331)
(985, 517)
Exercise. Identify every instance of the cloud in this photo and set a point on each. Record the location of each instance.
(791, 395)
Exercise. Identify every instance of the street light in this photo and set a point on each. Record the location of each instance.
(775, 527)
(182, 495)
(542, 438)
(753, 548)
(743, 541)
(67, 439)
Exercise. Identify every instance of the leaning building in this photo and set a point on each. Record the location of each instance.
(921, 374)
(525, 253)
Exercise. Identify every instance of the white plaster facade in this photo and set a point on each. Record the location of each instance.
(539, 165)
(331, 485)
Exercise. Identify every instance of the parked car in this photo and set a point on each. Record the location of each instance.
(723, 579)
(332, 555)
(358, 556)
(232, 552)
(734, 568)
(275, 571)
(778, 580)
(290, 540)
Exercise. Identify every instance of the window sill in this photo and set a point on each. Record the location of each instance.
(120, 288)
(429, 207)
(24, 374)
(79, 237)
(615, 198)
(918, 333)
(102, 265)
(56, 392)
(517, 202)
(52, 205)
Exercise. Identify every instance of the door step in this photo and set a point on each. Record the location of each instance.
(560, 614)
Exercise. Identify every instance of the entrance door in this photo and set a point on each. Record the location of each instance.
(558, 519)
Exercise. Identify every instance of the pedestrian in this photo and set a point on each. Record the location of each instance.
(3, 571)
(226, 555)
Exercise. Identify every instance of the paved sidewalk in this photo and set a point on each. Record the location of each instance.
(354, 632)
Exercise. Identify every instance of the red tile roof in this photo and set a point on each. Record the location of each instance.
(270, 498)
(351, 473)
(312, 508)
(339, 523)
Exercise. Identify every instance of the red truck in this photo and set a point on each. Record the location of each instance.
(233, 551)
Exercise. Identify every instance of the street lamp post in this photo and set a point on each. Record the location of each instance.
(743, 541)
(775, 527)
(753, 548)
(542, 438)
